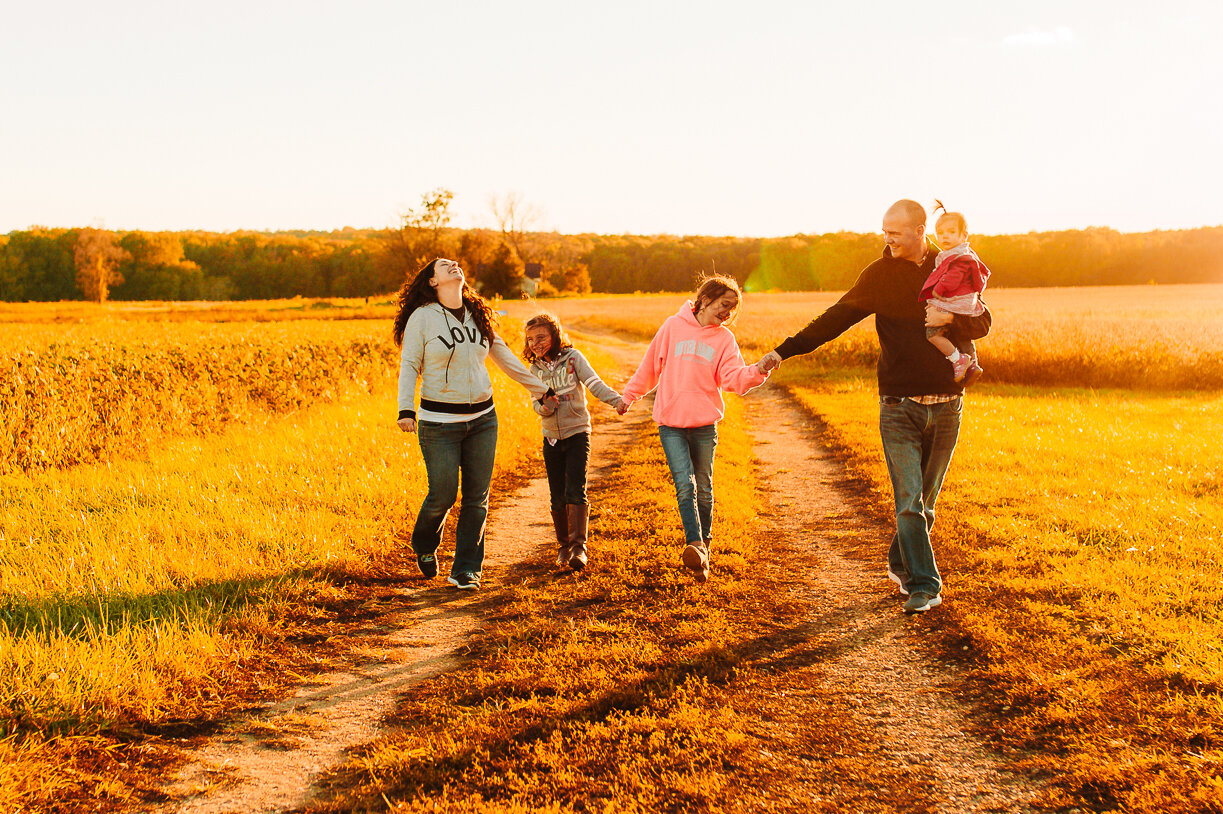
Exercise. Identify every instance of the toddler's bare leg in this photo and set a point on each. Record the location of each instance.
(945, 346)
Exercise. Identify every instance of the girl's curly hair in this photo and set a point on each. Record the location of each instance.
(560, 339)
(416, 292)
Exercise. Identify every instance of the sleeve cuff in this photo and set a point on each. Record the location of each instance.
(407, 414)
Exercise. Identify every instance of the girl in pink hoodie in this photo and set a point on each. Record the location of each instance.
(691, 360)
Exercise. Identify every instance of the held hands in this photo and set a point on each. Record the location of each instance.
(623, 406)
(936, 317)
(407, 424)
(769, 362)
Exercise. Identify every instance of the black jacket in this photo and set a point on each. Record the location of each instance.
(908, 364)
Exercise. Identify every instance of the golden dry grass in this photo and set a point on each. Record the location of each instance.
(606, 688)
(1139, 337)
(152, 587)
(171, 581)
(97, 391)
(1079, 533)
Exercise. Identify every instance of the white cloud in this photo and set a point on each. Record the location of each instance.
(1061, 35)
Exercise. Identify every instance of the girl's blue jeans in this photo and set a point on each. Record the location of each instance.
(689, 452)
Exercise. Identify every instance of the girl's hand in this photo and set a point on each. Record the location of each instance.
(623, 407)
(407, 424)
(769, 362)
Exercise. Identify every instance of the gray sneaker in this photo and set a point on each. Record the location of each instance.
(465, 581)
(921, 602)
(899, 580)
(427, 563)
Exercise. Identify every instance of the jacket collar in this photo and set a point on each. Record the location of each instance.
(931, 251)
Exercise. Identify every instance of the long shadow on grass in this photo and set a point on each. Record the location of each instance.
(90, 615)
(784, 646)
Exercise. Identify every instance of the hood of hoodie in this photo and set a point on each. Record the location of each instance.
(690, 328)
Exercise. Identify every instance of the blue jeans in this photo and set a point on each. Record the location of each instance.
(452, 452)
(689, 452)
(918, 441)
(565, 462)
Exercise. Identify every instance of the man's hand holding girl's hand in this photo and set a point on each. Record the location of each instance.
(768, 362)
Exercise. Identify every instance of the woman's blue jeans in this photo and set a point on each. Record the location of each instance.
(459, 454)
(689, 452)
(918, 441)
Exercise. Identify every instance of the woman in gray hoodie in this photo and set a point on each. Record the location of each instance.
(566, 425)
(446, 331)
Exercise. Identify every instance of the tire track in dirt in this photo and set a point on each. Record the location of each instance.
(860, 649)
(269, 762)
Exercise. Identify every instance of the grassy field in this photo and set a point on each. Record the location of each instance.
(607, 692)
(1079, 535)
(1080, 529)
(180, 499)
(1136, 337)
(180, 503)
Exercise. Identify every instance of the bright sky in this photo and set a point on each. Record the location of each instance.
(730, 117)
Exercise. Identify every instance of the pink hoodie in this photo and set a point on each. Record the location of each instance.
(691, 364)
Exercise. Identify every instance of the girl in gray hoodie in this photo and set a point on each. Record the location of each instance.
(446, 331)
(566, 426)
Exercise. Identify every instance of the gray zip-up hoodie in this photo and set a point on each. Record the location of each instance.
(448, 357)
(566, 375)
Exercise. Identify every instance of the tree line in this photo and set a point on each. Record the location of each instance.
(45, 264)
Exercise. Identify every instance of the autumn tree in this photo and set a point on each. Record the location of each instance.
(515, 218)
(476, 251)
(576, 279)
(421, 237)
(157, 269)
(503, 276)
(97, 257)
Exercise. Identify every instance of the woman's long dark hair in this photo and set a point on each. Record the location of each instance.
(416, 292)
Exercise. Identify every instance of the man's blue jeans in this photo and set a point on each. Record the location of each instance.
(689, 452)
(453, 452)
(918, 441)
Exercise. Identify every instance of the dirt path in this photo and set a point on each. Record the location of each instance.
(863, 652)
(270, 762)
(858, 655)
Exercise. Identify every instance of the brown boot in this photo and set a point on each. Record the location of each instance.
(579, 518)
(560, 522)
(696, 560)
